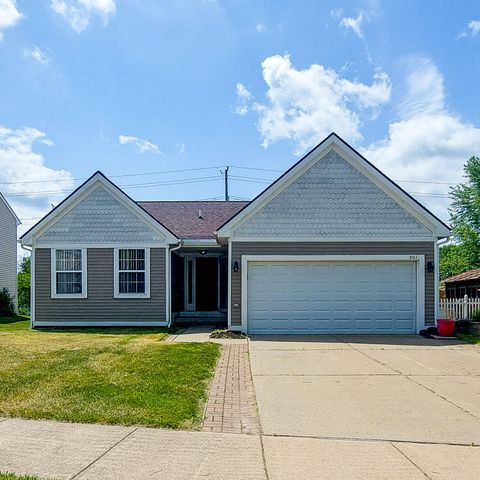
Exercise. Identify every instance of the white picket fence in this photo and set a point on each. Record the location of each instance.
(458, 308)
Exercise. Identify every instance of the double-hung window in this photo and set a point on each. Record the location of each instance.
(132, 273)
(69, 273)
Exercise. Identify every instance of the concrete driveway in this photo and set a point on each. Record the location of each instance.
(382, 399)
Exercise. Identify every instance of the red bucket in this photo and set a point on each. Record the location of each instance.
(446, 328)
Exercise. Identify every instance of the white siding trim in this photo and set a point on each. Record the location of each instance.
(93, 323)
(59, 245)
(84, 190)
(32, 288)
(300, 239)
(420, 270)
(229, 287)
(348, 154)
(168, 293)
(10, 209)
(53, 275)
(116, 286)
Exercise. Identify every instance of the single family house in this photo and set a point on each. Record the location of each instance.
(332, 246)
(8, 248)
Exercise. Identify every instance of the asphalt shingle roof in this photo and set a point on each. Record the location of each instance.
(461, 277)
(183, 217)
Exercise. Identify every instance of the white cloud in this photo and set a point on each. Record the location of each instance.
(24, 174)
(79, 12)
(355, 24)
(306, 105)
(181, 148)
(426, 142)
(336, 13)
(429, 144)
(243, 99)
(38, 54)
(261, 28)
(424, 88)
(144, 146)
(9, 15)
(473, 29)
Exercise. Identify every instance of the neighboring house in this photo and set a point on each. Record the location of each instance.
(466, 283)
(8, 248)
(332, 246)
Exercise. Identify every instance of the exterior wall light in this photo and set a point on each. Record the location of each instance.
(430, 267)
(236, 266)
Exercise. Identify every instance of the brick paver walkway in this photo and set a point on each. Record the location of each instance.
(231, 406)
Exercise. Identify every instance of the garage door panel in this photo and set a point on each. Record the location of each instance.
(338, 297)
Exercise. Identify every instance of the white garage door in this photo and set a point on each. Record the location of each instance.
(331, 297)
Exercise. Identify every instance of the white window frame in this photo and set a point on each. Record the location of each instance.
(53, 274)
(116, 274)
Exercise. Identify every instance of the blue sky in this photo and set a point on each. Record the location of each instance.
(132, 87)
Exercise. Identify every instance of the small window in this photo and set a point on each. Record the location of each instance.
(69, 273)
(132, 272)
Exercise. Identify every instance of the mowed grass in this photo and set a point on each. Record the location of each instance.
(12, 476)
(115, 376)
(475, 339)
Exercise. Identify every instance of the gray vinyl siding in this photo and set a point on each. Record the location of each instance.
(100, 306)
(8, 250)
(331, 248)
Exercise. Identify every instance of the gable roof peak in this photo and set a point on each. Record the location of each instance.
(351, 155)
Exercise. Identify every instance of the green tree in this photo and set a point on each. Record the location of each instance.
(453, 260)
(465, 220)
(23, 281)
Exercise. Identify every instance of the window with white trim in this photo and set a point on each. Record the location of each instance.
(69, 273)
(132, 272)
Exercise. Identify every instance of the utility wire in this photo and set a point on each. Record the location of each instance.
(113, 176)
(135, 185)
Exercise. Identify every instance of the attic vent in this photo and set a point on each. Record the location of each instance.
(200, 216)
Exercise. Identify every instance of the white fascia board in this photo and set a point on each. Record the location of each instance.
(82, 192)
(10, 209)
(80, 244)
(273, 239)
(94, 323)
(388, 187)
(269, 194)
(206, 242)
(348, 154)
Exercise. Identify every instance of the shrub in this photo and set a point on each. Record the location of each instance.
(476, 315)
(7, 305)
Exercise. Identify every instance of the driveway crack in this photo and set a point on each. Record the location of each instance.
(410, 460)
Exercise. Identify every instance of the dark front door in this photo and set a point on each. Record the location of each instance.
(206, 291)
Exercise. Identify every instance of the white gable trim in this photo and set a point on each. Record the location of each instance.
(95, 181)
(10, 209)
(438, 229)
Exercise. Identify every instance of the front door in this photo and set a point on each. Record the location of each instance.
(201, 284)
(206, 284)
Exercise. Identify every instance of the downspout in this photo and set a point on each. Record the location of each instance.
(438, 243)
(32, 282)
(178, 246)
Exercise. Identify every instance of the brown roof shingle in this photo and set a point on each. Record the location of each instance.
(461, 277)
(182, 217)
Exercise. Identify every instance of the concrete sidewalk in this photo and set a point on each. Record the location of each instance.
(53, 450)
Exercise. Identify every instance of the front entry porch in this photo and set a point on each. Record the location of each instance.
(199, 285)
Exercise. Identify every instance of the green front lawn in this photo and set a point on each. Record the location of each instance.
(475, 339)
(12, 476)
(113, 376)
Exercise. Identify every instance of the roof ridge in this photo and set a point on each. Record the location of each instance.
(193, 201)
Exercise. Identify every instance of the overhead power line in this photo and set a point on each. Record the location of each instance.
(114, 176)
(135, 185)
